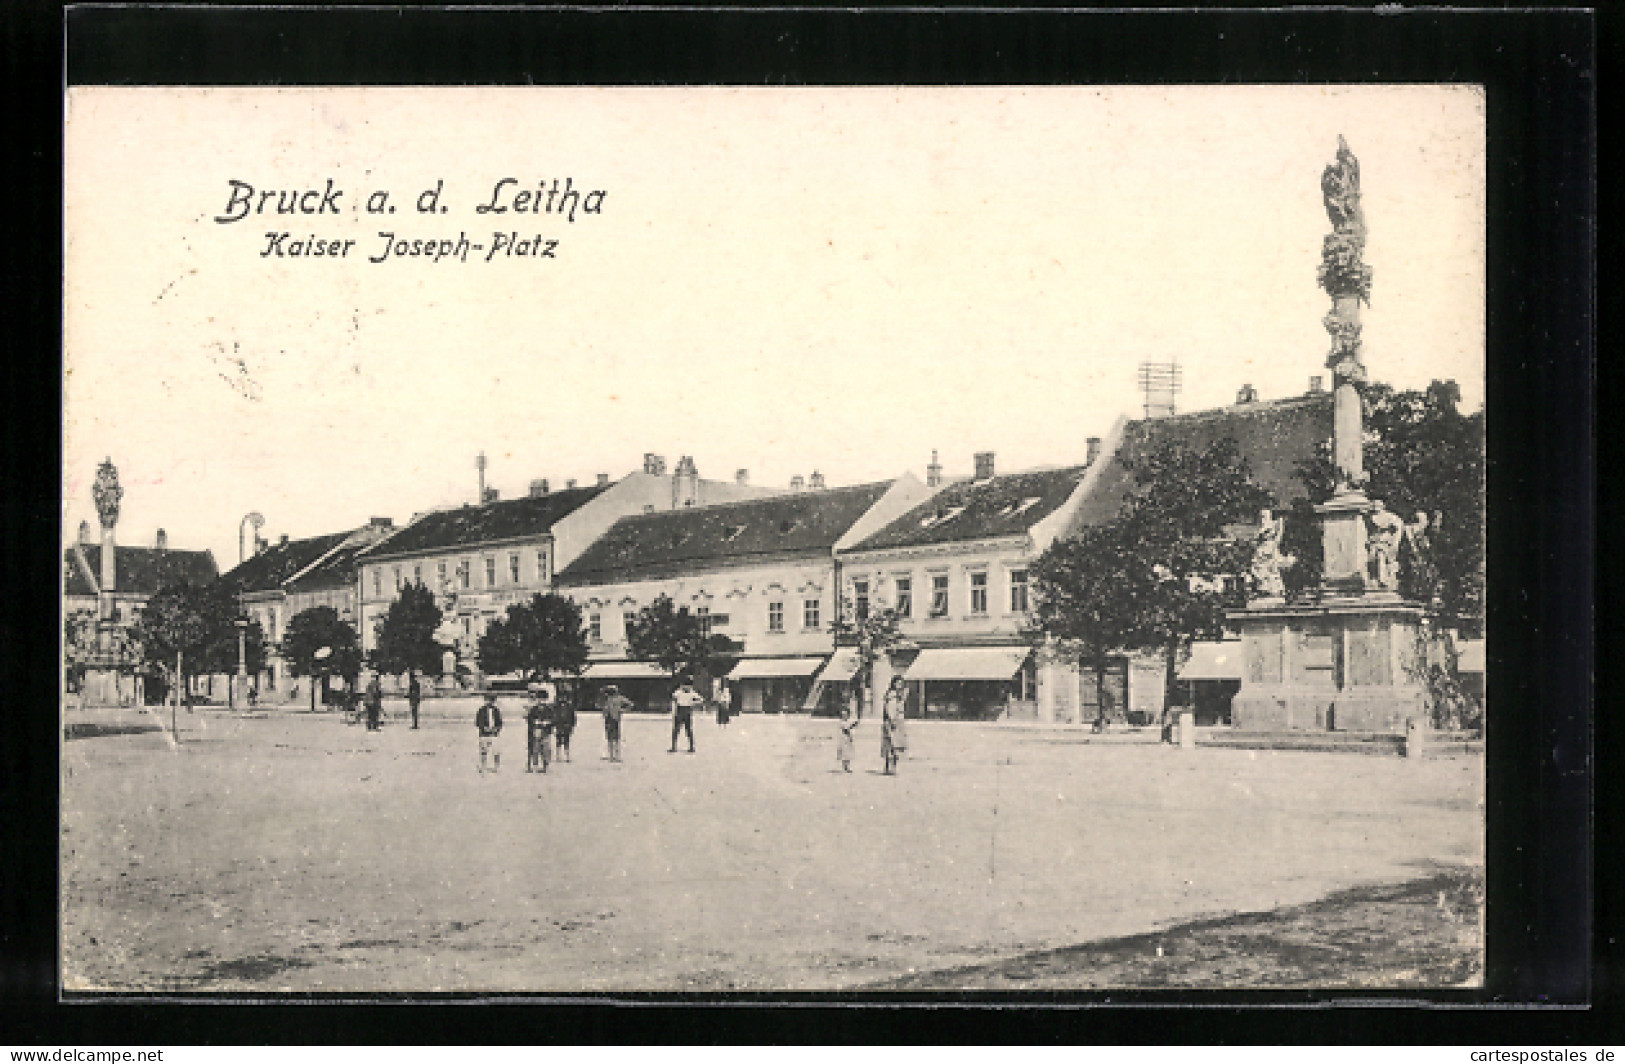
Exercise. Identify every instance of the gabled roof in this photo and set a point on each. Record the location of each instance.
(267, 570)
(469, 526)
(1273, 437)
(646, 546)
(1005, 505)
(140, 570)
(335, 570)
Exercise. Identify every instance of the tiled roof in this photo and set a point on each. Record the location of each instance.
(1273, 437)
(1005, 505)
(495, 521)
(648, 545)
(267, 570)
(141, 570)
(335, 571)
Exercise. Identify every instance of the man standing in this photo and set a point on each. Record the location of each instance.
(375, 702)
(414, 695)
(683, 703)
(725, 703)
(612, 704)
(489, 723)
(539, 721)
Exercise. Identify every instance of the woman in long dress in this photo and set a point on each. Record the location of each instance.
(893, 724)
(844, 748)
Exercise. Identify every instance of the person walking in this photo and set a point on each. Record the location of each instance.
(725, 704)
(564, 723)
(414, 695)
(612, 704)
(843, 743)
(683, 703)
(893, 724)
(375, 703)
(539, 721)
(489, 723)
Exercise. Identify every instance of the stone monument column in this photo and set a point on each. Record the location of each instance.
(103, 678)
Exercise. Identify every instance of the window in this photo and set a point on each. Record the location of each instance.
(595, 627)
(1018, 591)
(490, 572)
(377, 582)
(775, 616)
(978, 592)
(464, 574)
(939, 595)
(629, 621)
(809, 613)
(704, 615)
(541, 566)
(905, 596)
(513, 568)
(719, 620)
(397, 578)
(440, 573)
(417, 574)
(860, 599)
(270, 628)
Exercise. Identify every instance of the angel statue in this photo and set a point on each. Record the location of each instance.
(1268, 561)
(1387, 529)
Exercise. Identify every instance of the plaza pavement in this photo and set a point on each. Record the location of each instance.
(283, 850)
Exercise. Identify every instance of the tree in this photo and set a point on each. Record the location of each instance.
(405, 635)
(1422, 455)
(877, 632)
(317, 643)
(191, 629)
(1165, 571)
(676, 640)
(539, 638)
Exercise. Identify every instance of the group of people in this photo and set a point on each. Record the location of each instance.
(893, 729)
(550, 721)
(372, 703)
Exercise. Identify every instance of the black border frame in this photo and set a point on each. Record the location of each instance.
(1540, 68)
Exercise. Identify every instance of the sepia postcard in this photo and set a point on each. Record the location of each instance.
(693, 540)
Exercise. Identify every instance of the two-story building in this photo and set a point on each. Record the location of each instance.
(956, 569)
(760, 572)
(481, 559)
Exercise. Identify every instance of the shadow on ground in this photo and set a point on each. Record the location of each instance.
(1425, 932)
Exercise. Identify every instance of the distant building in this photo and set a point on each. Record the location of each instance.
(479, 560)
(760, 572)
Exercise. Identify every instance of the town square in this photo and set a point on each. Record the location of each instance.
(846, 617)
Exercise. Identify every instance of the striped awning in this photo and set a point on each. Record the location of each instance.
(624, 670)
(842, 666)
(1213, 661)
(967, 663)
(772, 668)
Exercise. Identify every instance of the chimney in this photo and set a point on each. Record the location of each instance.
(984, 465)
(491, 495)
(1247, 394)
(654, 464)
(85, 535)
(817, 481)
(259, 544)
(569, 485)
(282, 541)
(538, 488)
(382, 522)
(161, 540)
(1092, 453)
(685, 483)
(741, 477)
(796, 483)
(1317, 384)
(479, 464)
(603, 480)
(933, 472)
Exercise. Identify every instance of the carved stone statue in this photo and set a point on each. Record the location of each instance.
(1268, 561)
(1424, 572)
(107, 493)
(1342, 273)
(1383, 546)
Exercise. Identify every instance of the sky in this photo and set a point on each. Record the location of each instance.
(778, 280)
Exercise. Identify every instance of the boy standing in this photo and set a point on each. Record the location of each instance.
(683, 703)
(489, 723)
(613, 704)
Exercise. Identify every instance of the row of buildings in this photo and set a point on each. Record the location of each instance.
(772, 567)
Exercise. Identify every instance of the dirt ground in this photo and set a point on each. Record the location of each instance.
(286, 851)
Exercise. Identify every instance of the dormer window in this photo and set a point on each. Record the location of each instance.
(1020, 506)
(785, 527)
(941, 516)
(731, 533)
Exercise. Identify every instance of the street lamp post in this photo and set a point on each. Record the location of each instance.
(242, 657)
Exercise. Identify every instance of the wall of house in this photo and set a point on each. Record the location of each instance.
(962, 623)
(490, 587)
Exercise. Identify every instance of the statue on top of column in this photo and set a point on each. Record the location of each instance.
(107, 493)
(1343, 273)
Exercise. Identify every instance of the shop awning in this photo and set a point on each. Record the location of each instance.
(842, 666)
(1213, 661)
(770, 668)
(624, 670)
(968, 663)
(1470, 655)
